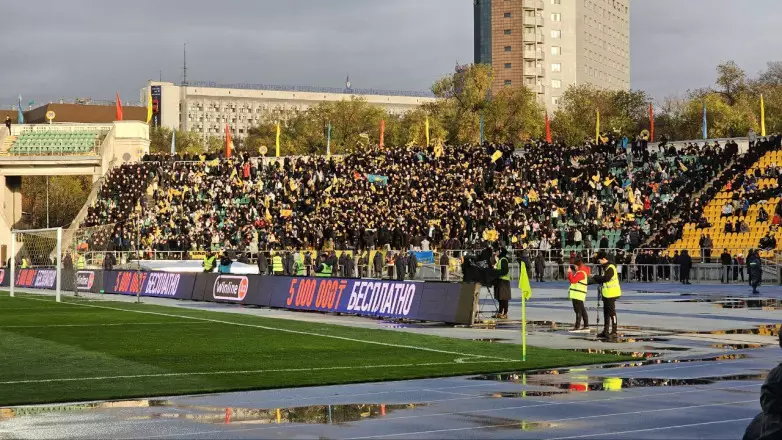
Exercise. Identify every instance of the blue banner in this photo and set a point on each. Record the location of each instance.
(426, 257)
(374, 178)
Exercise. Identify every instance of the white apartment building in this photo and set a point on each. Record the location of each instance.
(207, 107)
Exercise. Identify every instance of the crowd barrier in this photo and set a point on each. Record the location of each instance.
(420, 301)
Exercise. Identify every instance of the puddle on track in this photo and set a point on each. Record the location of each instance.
(316, 414)
(729, 302)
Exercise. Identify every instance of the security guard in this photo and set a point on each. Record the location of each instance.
(578, 276)
(299, 269)
(209, 262)
(610, 292)
(277, 267)
(324, 269)
(25, 263)
(81, 262)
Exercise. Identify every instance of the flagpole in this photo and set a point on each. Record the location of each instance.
(523, 328)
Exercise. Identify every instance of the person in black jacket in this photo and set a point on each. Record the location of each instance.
(444, 261)
(263, 264)
(685, 264)
(768, 424)
(502, 291)
(754, 270)
(725, 261)
(412, 265)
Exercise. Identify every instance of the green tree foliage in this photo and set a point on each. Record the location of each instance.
(621, 111)
(67, 195)
(187, 142)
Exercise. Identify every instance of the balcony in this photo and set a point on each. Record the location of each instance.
(539, 89)
(533, 21)
(534, 71)
(533, 54)
(532, 4)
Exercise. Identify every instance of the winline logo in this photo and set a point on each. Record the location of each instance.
(230, 287)
(85, 280)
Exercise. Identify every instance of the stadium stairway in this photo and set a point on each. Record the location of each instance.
(734, 242)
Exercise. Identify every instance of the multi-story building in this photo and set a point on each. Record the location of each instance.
(549, 45)
(207, 107)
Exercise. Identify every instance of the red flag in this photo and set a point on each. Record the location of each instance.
(228, 142)
(548, 129)
(651, 123)
(119, 108)
(382, 132)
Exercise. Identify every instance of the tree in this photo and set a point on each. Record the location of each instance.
(622, 112)
(187, 142)
(731, 81)
(67, 195)
(460, 99)
(513, 116)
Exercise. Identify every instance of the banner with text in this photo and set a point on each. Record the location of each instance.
(157, 284)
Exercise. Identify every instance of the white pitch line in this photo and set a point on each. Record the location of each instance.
(209, 373)
(653, 429)
(298, 332)
(113, 324)
(435, 431)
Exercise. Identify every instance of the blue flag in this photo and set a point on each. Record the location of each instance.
(482, 138)
(20, 115)
(705, 126)
(173, 142)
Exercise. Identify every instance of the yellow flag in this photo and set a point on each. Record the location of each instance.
(496, 156)
(427, 131)
(149, 106)
(524, 286)
(277, 142)
(762, 117)
(597, 128)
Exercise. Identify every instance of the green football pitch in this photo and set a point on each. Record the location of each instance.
(82, 350)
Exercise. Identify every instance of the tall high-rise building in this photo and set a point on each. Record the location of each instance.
(548, 45)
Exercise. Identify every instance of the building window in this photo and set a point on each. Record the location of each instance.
(507, 82)
(556, 50)
(556, 84)
(507, 32)
(556, 2)
(556, 16)
(556, 33)
(555, 100)
(556, 67)
(507, 15)
(507, 48)
(507, 65)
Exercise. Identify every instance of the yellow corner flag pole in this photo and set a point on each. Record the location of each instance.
(526, 293)
(523, 329)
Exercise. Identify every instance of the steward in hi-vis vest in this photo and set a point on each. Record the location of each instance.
(578, 275)
(209, 262)
(610, 292)
(277, 267)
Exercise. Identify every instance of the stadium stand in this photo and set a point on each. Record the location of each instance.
(549, 197)
(54, 142)
(741, 209)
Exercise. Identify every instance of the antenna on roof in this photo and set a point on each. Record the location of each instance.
(184, 78)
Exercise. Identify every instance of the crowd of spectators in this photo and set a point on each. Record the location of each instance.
(539, 196)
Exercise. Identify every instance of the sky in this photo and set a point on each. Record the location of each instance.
(93, 48)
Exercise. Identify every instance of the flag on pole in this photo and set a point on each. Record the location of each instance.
(382, 132)
(427, 131)
(19, 114)
(705, 124)
(483, 138)
(277, 141)
(328, 141)
(526, 294)
(229, 144)
(548, 129)
(173, 142)
(119, 108)
(651, 123)
(149, 106)
(762, 117)
(597, 128)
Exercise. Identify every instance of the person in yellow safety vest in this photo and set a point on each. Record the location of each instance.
(25, 263)
(324, 269)
(81, 262)
(502, 288)
(277, 267)
(298, 265)
(578, 275)
(610, 292)
(209, 262)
